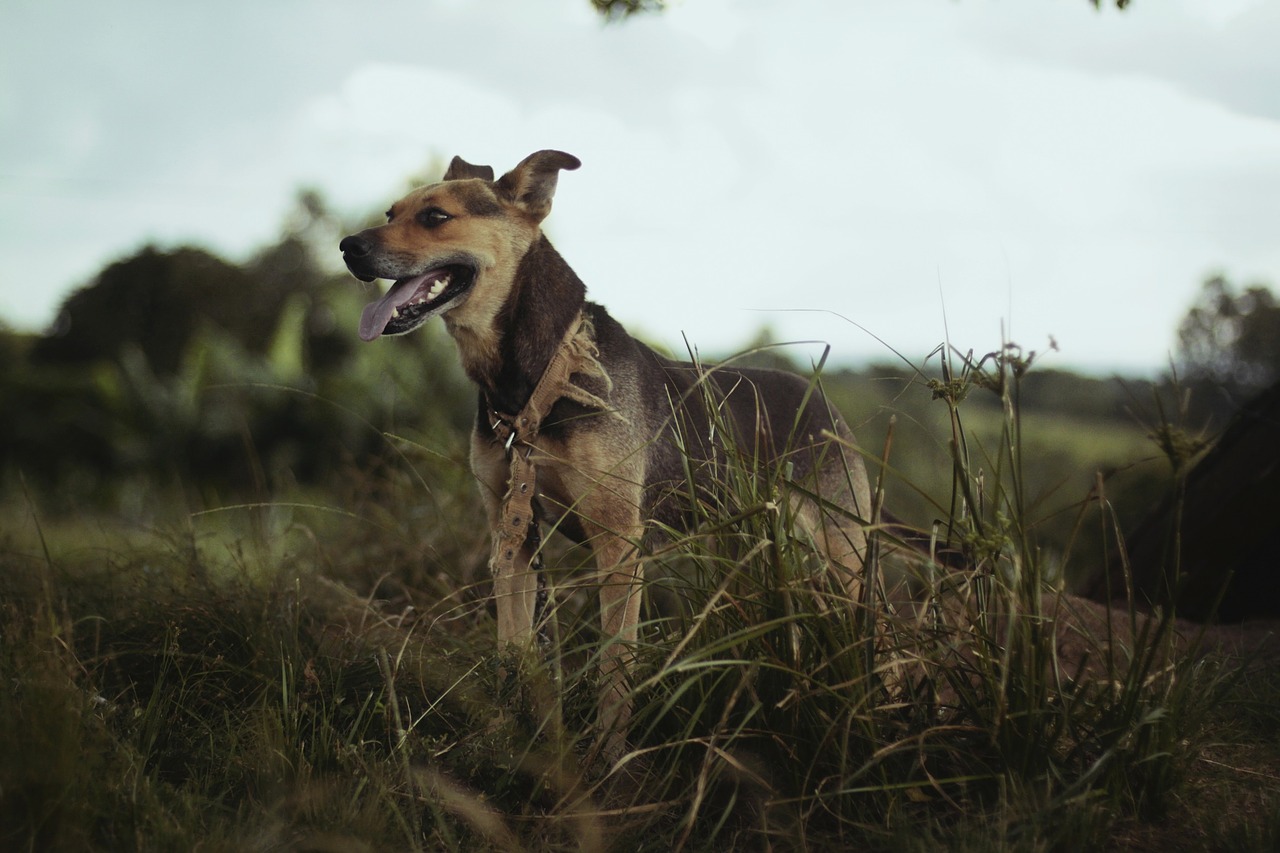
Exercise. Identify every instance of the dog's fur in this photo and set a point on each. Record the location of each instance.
(603, 475)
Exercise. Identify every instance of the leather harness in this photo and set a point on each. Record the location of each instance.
(519, 526)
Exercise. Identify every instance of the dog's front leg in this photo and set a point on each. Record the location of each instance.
(515, 590)
(515, 584)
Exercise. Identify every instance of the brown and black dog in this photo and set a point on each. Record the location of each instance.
(615, 444)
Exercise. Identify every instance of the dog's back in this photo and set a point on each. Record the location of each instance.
(687, 420)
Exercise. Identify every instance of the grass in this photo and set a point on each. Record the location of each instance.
(320, 674)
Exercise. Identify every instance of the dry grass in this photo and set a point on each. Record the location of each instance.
(321, 675)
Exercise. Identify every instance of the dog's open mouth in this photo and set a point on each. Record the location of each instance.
(412, 301)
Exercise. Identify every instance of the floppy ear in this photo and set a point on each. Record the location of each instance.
(460, 169)
(531, 184)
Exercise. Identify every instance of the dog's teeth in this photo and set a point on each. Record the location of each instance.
(422, 298)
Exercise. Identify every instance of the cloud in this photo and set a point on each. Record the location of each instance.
(1221, 51)
(1064, 169)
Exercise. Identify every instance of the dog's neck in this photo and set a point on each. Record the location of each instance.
(545, 297)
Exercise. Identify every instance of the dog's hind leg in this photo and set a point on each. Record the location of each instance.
(841, 542)
(610, 516)
(844, 543)
(621, 580)
(836, 519)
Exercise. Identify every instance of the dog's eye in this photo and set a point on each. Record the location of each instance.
(432, 216)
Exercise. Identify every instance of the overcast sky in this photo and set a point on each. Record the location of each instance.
(917, 167)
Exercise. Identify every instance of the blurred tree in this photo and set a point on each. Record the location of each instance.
(618, 9)
(1063, 392)
(1231, 339)
(179, 369)
(13, 345)
(764, 350)
(155, 300)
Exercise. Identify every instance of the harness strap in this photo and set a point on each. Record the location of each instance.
(519, 527)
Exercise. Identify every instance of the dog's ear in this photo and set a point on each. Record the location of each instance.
(460, 169)
(531, 184)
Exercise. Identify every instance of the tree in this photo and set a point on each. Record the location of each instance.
(1231, 339)
(618, 9)
(155, 300)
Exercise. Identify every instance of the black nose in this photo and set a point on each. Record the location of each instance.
(354, 247)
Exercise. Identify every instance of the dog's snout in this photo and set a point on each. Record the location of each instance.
(354, 246)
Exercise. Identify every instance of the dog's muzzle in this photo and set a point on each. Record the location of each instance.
(416, 294)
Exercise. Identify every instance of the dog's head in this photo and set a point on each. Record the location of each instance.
(446, 242)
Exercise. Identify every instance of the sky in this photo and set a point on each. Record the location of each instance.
(879, 176)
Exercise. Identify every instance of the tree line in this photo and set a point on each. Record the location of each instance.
(176, 371)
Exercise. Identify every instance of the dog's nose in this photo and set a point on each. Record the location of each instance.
(354, 247)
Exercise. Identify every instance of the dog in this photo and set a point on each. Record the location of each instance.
(579, 425)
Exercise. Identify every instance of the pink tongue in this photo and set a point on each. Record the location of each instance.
(377, 314)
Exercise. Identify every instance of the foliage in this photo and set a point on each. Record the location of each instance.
(1231, 338)
(614, 10)
(620, 9)
(218, 383)
(178, 370)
